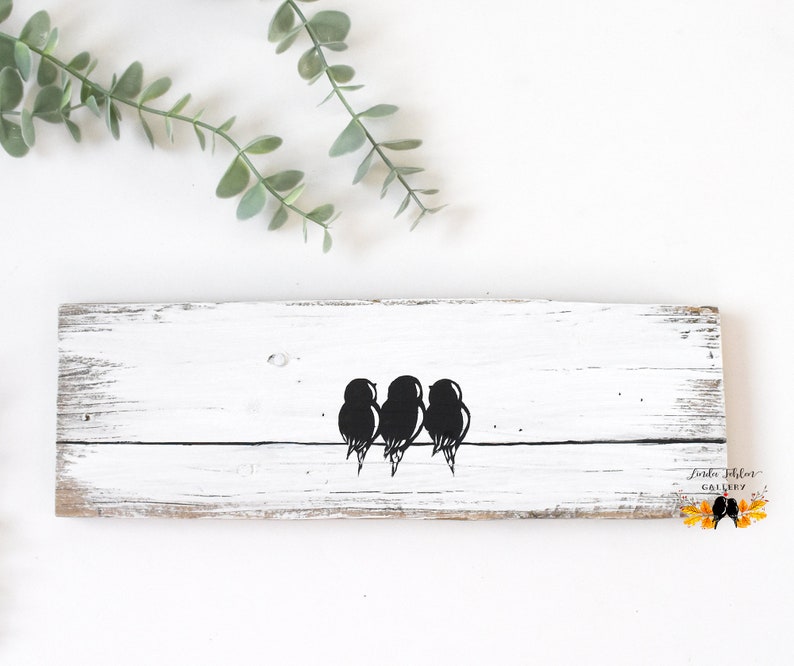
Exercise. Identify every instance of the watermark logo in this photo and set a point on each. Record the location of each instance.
(708, 515)
(722, 479)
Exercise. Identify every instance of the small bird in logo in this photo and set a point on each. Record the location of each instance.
(447, 419)
(402, 416)
(723, 507)
(359, 418)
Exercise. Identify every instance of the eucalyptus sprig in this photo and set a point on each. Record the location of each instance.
(29, 61)
(328, 30)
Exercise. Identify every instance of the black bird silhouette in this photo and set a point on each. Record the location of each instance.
(359, 418)
(402, 416)
(447, 419)
(722, 507)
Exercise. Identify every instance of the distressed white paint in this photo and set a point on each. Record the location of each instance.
(531, 371)
(538, 371)
(292, 480)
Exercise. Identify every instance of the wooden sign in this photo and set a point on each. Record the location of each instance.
(449, 409)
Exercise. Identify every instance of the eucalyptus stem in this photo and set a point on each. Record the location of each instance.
(327, 30)
(341, 97)
(214, 129)
(53, 103)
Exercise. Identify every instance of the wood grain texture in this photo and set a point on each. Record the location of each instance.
(231, 409)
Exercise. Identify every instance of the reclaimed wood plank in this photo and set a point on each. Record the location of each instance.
(576, 409)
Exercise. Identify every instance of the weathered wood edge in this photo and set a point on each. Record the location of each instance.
(77, 309)
(69, 504)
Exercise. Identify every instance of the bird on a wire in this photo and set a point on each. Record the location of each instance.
(402, 416)
(447, 419)
(359, 418)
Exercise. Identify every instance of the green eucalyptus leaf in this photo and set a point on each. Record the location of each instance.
(403, 144)
(7, 53)
(281, 23)
(418, 220)
(80, 61)
(284, 180)
(364, 167)
(74, 130)
(179, 106)
(6, 6)
(305, 231)
(52, 42)
(155, 89)
(328, 242)
(336, 46)
(47, 74)
(279, 218)
(351, 88)
(432, 211)
(427, 192)
(129, 85)
(169, 129)
(328, 96)
(147, 130)
(330, 26)
(11, 89)
(66, 95)
(341, 73)
(200, 136)
(23, 59)
(262, 145)
(11, 139)
(379, 111)
(293, 196)
(48, 104)
(28, 131)
(289, 39)
(91, 67)
(351, 138)
(36, 30)
(333, 92)
(310, 64)
(387, 183)
(403, 205)
(234, 180)
(321, 214)
(225, 127)
(87, 91)
(92, 105)
(407, 171)
(316, 77)
(252, 202)
(112, 119)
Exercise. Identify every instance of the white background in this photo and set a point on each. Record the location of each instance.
(611, 151)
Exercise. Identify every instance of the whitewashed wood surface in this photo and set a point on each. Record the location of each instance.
(231, 409)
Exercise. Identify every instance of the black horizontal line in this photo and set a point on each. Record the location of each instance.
(649, 441)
